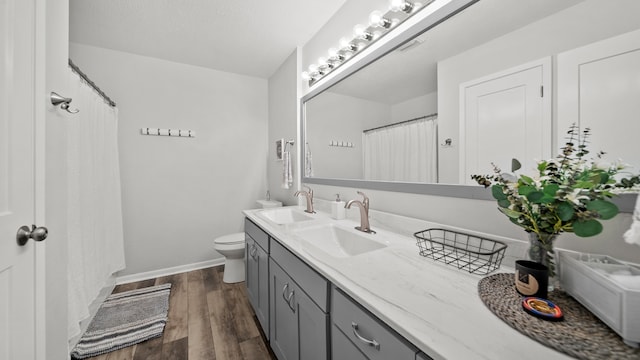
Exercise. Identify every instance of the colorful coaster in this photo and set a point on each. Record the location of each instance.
(542, 308)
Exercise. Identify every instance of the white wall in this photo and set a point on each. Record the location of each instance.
(282, 125)
(178, 194)
(483, 215)
(351, 116)
(416, 107)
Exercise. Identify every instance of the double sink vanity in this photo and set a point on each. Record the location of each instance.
(323, 290)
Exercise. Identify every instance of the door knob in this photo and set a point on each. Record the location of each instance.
(36, 233)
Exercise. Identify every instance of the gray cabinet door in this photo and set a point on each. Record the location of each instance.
(284, 320)
(298, 325)
(343, 348)
(257, 282)
(313, 328)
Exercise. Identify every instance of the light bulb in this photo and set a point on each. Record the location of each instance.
(360, 32)
(400, 5)
(333, 53)
(305, 76)
(346, 45)
(313, 68)
(322, 61)
(377, 19)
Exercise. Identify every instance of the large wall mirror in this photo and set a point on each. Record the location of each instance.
(424, 115)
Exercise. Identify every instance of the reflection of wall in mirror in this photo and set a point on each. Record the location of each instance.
(600, 87)
(332, 116)
(560, 32)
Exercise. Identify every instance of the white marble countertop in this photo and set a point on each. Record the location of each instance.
(433, 305)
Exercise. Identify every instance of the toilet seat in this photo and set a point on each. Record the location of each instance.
(232, 239)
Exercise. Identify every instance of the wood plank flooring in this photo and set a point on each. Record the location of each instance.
(208, 320)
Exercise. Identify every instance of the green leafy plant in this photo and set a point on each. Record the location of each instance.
(569, 193)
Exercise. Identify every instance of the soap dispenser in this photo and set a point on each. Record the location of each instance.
(337, 209)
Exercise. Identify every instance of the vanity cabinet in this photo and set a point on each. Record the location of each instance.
(358, 334)
(305, 317)
(298, 308)
(257, 272)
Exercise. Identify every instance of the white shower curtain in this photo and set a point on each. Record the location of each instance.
(94, 228)
(405, 152)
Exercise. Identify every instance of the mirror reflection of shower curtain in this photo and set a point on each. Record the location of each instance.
(406, 152)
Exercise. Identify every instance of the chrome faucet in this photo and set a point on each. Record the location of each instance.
(309, 195)
(364, 213)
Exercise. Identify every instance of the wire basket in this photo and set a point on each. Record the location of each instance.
(474, 254)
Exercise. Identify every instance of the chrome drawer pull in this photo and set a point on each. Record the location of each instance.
(293, 308)
(373, 343)
(288, 298)
(253, 251)
(284, 290)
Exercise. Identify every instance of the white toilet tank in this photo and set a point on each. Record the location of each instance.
(265, 204)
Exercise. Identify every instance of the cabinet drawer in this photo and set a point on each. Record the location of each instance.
(257, 234)
(372, 337)
(312, 283)
(342, 348)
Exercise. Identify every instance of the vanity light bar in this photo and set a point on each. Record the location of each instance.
(379, 24)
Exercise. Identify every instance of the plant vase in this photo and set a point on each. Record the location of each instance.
(541, 251)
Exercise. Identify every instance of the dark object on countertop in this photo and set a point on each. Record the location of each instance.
(532, 278)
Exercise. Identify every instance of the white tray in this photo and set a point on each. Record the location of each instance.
(609, 288)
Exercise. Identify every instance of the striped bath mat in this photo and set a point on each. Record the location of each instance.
(125, 319)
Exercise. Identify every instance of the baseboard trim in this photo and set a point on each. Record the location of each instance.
(168, 271)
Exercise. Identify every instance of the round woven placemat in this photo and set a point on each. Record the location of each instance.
(581, 334)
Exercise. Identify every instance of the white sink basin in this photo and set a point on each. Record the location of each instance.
(283, 216)
(339, 242)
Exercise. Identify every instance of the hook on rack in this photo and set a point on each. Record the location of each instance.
(64, 102)
(288, 142)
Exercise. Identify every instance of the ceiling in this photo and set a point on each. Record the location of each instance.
(250, 37)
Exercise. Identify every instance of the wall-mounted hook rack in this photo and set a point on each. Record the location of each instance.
(168, 132)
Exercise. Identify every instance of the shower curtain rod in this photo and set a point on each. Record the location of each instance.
(95, 87)
(401, 122)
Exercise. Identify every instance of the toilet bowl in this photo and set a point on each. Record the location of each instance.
(232, 248)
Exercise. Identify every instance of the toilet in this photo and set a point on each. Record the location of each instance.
(232, 248)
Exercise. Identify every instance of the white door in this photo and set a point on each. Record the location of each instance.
(505, 116)
(17, 208)
(599, 88)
